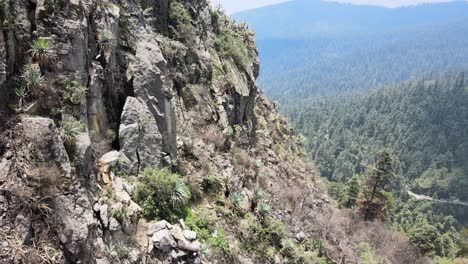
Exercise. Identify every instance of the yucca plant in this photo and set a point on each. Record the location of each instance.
(256, 197)
(180, 194)
(22, 93)
(264, 210)
(41, 51)
(106, 40)
(32, 78)
(69, 130)
(237, 199)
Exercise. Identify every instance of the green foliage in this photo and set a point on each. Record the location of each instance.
(377, 198)
(368, 256)
(264, 211)
(256, 198)
(111, 135)
(179, 13)
(162, 194)
(237, 199)
(268, 238)
(74, 93)
(354, 189)
(22, 93)
(32, 78)
(204, 223)
(259, 237)
(231, 47)
(119, 214)
(69, 130)
(424, 236)
(41, 51)
(117, 251)
(181, 20)
(212, 185)
(106, 40)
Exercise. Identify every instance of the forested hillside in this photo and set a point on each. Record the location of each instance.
(316, 47)
(423, 124)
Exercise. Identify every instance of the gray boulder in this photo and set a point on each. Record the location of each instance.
(139, 136)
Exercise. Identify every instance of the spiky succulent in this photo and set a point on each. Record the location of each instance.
(32, 78)
(264, 210)
(41, 51)
(256, 197)
(180, 194)
(69, 130)
(22, 93)
(237, 199)
(106, 40)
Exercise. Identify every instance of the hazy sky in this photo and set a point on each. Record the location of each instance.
(237, 5)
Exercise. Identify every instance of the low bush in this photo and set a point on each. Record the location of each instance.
(204, 223)
(212, 185)
(231, 47)
(162, 194)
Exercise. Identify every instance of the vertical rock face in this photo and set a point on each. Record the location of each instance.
(39, 146)
(139, 136)
(2, 60)
(152, 87)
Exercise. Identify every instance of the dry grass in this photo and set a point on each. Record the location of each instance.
(214, 136)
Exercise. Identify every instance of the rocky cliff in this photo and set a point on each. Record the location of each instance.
(95, 92)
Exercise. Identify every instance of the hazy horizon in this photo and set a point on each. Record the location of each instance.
(233, 6)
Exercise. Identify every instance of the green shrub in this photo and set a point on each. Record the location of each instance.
(179, 14)
(212, 185)
(204, 223)
(111, 135)
(230, 47)
(119, 214)
(74, 93)
(162, 194)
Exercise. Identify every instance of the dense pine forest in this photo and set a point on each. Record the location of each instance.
(310, 47)
(423, 124)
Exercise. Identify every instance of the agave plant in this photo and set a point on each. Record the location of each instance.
(41, 51)
(237, 199)
(180, 194)
(264, 210)
(22, 93)
(69, 130)
(257, 196)
(32, 78)
(106, 40)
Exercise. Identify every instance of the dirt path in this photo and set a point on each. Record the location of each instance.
(427, 198)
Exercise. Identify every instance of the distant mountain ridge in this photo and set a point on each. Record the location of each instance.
(310, 47)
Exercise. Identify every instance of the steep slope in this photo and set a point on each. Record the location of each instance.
(117, 112)
(318, 47)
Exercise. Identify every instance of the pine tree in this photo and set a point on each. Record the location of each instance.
(377, 198)
(353, 191)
